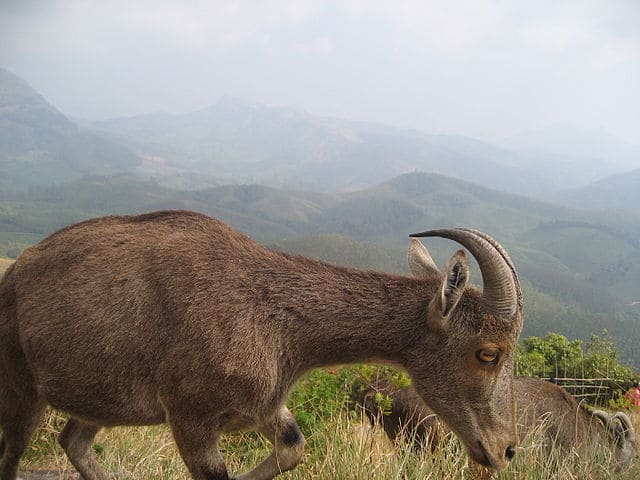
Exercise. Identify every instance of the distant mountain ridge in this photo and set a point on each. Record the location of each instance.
(41, 146)
(237, 141)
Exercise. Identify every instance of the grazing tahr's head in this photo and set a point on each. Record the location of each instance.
(463, 367)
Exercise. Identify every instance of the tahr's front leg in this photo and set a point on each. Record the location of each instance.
(288, 446)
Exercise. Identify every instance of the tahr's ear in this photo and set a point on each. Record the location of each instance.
(453, 284)
(421, 265)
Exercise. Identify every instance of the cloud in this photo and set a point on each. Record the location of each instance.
(189, 25)
(583, 35)
(322, 45)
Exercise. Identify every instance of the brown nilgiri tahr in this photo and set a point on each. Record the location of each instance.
(569, 425)
(175, 317)
(542, 409)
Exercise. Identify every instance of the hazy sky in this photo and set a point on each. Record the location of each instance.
(482, 68)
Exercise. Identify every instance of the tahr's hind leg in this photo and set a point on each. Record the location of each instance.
(19, 417)
(77, 441)
(288, 446)
(198, 446)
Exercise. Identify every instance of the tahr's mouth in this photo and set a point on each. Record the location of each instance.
(481, 455)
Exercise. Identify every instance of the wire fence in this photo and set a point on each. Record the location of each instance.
(595, 391)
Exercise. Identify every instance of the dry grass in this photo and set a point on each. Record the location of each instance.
(4, 264)
(342, 447)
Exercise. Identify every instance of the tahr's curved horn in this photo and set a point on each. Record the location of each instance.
(506, 257)
(625, 421)
(501, 288)
(602, 415)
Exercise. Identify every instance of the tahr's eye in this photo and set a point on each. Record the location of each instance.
(488, 356)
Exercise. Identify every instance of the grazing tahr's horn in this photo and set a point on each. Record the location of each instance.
(627, 426)
(501, 289)
(602, 415)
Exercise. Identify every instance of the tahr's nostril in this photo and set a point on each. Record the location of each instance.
(510, 452)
